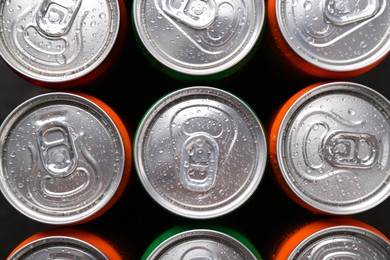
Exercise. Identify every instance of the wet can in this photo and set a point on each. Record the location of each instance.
(69, 243)
(198, 40)
(201, 243)
(65, 158)
(329, 147)
(335, 238)
(329, 39)
(62, 44)
(200, 152)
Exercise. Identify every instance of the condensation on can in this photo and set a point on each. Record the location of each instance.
(199, 40)
(329, 39)
(65, 158)
(329, 147)
(62, 44)
(67, 243)
(200, 152)
(335, 238)
(201, 243)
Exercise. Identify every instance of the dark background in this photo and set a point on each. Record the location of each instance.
(130, 88)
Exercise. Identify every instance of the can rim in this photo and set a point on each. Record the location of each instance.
(30, 212)
(83, 70)
(375, 56)
(199, 69)
(315, 205)
(352, 230)
(139, 139)
(42, 243)
(162, 244)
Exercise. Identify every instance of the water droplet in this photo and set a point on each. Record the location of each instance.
(307, 5)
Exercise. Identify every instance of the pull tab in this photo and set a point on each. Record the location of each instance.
(342, 12)
(55, 17)
(57, 149)
(198, 168)
(198, 14)
(345, 149)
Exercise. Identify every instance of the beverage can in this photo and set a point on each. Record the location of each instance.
(198, 40)
(329, 39)
(67, 243)
(201, 243)
(339, 238)
(200, 152)
(61, 44)
(329, 147)
(65, 158)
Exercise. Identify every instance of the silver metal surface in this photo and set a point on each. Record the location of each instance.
(62, 158)
(57, 40)
(333, 148)
(201, 244)
(342, 242)
(200, 152)
(58, 247)
(199, 37)
(336, 35)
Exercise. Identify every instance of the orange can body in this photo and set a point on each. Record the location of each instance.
(326, 143)
(334, 237)
(311, 40)
(74, 157)
(68, 243)
(77, 49)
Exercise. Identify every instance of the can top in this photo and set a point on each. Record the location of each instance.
(62, 158)
(201, 244)
(333, 147)
(336, 35)
(57, 41)
(200, 152)
(342, 242)
(58, 247)
(199, 38)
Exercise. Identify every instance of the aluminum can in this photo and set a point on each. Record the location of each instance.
(329, 147)
(201, 243)
(68, 243)
(339, 238)
(61, 43)
(198, 40)
(65, 158)
(200, 152)
(329, 39)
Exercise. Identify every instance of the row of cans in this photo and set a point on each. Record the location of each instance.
(199, 152)
(69, 43)
(341, 238)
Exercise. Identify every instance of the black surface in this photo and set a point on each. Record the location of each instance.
(131, 88)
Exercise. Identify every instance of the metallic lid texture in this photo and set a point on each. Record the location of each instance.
(62, 158)
(201, 244)
(200, 152)
(343, 242)
(336, 35)
(332, 147)
(58, 247)
(56, 40)
(199, 38)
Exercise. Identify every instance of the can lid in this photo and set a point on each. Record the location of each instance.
(62, 158)
(201, 244)
(342, 242)
(333, 148)
(199, 38)
(58, 247)
(57, 41)
(200, 152)
(336, 36)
